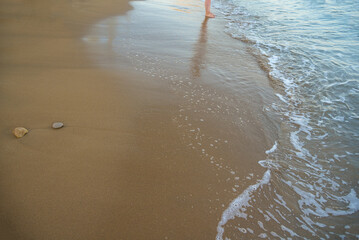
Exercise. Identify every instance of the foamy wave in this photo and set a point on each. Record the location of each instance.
(318, 95)
(236, 207)
(352, 202)
(273, 148)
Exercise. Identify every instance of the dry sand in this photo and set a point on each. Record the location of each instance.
(120, 168)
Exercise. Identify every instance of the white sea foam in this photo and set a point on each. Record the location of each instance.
(262, 235)
(282, 98)
(236, 207)
(352, 202)
(273, 148)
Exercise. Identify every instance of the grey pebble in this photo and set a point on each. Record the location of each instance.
(57, 125)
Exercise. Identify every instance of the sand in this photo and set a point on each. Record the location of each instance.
(121, 167)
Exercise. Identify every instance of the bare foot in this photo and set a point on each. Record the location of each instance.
(210, 15)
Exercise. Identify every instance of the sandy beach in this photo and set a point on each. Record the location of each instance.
(154, 147)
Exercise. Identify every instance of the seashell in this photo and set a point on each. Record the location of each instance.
(19, 132)
(57, 125)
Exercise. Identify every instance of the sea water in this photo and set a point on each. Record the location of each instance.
(310, 50)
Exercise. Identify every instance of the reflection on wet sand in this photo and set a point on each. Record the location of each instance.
(122, 167)
(199, 51)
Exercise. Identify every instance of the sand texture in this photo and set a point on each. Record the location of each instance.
(123, 166)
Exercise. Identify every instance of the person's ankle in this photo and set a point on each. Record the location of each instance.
(209, 14)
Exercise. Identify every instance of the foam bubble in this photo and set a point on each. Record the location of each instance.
(352, 205)
(272, 149)
(235, 207)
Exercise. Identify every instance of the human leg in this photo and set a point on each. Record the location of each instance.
(207, 5)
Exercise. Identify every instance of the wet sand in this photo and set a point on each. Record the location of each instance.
(123, 167)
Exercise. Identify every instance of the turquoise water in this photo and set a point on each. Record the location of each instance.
(310, 50)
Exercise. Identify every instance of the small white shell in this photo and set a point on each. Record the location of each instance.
(57, 125)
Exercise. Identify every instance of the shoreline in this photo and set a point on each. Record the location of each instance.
(123, 158)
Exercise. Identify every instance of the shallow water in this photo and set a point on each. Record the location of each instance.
(309, 49)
